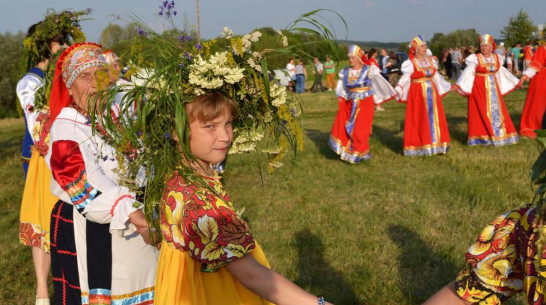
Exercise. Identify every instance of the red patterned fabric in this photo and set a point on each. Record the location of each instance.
(501, 263)
(68, 169)
(195, 220)
(535, 102)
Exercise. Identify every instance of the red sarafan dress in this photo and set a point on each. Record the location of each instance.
(425, 128)
(535, 102)
(358, 91)
(485, 82)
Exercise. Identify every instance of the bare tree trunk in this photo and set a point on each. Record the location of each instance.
(198, 23)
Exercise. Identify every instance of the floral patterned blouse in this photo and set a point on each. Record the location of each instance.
(195, 220)
(501, 263)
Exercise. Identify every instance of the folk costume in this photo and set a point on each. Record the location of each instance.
(485, 81)
(535, 102)
(202, 233)
(509, 256)
(193, 221)
(425, 127)
(97, 255)
(37, 201)
(358, 91)
(502, 261)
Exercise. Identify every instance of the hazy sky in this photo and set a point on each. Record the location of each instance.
(378, 20)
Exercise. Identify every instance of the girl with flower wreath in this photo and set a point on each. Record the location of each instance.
(508, 257)
(197, 106)
(485, 81)
(43, 41)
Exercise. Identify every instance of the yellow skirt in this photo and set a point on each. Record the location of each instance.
(180, 281)
(37, 204)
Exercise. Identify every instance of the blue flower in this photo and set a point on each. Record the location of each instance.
(189, 38)
(140, 31)
(198, 46)
(167, 135)
(139, 133)
(181, 38)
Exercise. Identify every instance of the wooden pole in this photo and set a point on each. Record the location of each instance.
(198, 23)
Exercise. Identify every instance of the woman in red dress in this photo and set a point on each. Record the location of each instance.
(485, 81)
(535, 103)
(359, 88)
(425, 129)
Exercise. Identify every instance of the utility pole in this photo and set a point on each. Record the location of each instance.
(198, 23)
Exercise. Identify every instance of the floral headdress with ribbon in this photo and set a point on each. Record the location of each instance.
(174, 71)
(417, 41)
(487, 39)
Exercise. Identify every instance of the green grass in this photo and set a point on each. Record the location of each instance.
(390, 231)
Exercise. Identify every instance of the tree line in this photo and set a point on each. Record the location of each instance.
(119, 39)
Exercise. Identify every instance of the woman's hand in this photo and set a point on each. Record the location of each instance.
(138, 219)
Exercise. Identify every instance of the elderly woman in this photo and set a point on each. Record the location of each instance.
(535, 102)
(425, 128)
(485, 81)
(359, 88)
(97, 253)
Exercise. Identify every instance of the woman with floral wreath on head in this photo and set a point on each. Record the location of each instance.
(98, 254)
(359, 89)
(485, 81)
(201, 106)
(43, 41)
(422, 88)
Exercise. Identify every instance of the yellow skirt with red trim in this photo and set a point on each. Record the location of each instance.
(37, 204)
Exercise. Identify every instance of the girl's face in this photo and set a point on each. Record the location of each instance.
(210, 141)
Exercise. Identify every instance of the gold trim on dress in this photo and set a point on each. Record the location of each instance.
(360, 89)
(421, 80)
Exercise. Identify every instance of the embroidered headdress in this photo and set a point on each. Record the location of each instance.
(487, 39)
(70, 64)
(417, 41)
(110, 56)
(357, 51)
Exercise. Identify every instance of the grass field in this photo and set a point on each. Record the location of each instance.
(390, 231)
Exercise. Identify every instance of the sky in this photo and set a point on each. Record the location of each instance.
(367, 20)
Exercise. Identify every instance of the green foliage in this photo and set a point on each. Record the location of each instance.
(390, 231)
(11, 48)
(65, 25)
(520, 28)
(456, 38)
(118, 38)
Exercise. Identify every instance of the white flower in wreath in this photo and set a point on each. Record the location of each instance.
(227, 32)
